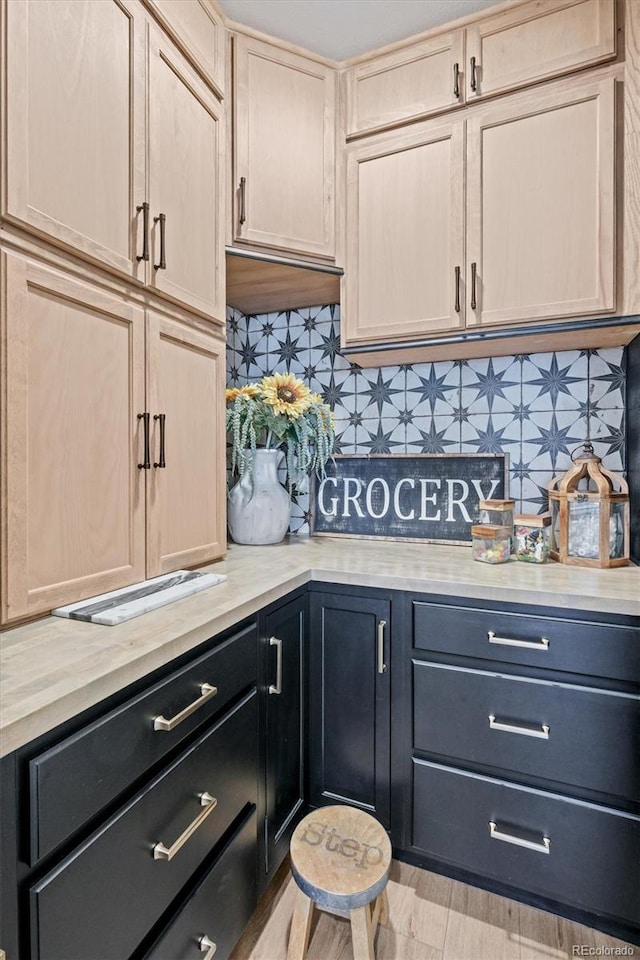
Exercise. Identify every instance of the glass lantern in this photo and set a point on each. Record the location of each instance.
(589, 514)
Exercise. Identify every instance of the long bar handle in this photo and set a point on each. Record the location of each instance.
(542, 731)
(457, 303)
(146, 464)
(473, 83)
(456, 80)
(145, 231)
(381, 664)
(277, 687)
(474, 273)
(207, 691)
(243, 200)
(162, 220)
(161, 417)
(495, 834)
(541, 644)
(207, 946)
(160, 852)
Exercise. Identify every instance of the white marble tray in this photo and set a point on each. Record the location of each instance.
(129, 602)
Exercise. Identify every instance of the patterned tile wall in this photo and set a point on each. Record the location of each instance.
(536, 407)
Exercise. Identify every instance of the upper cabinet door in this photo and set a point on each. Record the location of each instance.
(75, 124)
(197, 28)
(404, 264)
(540, 204)
(284, 150)
(73, 495)
(186, 495)
(408, 83)
(537, 40)
(186, 169)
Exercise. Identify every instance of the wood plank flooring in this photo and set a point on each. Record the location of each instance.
(430, 918)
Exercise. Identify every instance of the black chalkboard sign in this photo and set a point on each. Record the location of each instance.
(427, 497)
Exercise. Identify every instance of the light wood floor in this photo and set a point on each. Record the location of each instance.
(430, 918)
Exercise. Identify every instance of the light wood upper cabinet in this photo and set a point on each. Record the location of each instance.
(72, 497)
(198, 29)
(104, 115)
(404, 263)
(540, 204)
(186, 499)
(81, 514)
(186, 166)
(396, 87)
(284, 150)
(535, 41)
(536, 241)
(75, 104)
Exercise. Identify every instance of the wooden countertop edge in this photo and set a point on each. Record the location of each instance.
(55, 703)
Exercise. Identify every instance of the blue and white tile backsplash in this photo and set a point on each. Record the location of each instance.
(535, 407)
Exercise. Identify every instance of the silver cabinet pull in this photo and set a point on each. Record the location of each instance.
(381, 664)
(541, 644)
(542, 732)
(208, 946)
(542, 847)
(160, 852)
(207, 691)
(277, 687)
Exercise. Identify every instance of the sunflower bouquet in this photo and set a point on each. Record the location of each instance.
(283, 411)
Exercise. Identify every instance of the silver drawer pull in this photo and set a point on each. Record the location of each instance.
(207, 945)
(382, 667)
(160, 852)
(277, 686)
(207, 691)
(542, 732)
(541, 644)
(543, 847)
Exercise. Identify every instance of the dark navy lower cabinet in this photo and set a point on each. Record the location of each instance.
(521, 754)
(350, 701)
(131, 831)
(283, 646)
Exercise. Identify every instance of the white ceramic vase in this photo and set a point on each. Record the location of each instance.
(259, 506)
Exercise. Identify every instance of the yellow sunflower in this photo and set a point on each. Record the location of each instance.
(286, 394)
(249, 390)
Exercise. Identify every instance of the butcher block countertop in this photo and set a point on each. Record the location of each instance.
(53, 669)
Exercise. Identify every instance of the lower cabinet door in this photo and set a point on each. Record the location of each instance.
(349, 702)
(284, 722)
(105, 897)
(570, 851)
(214, 916)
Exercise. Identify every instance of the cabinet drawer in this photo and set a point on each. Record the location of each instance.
(556, 732)
(112, 890)
(72, 781)
(593, 856)
(577, 646)
(220, 906)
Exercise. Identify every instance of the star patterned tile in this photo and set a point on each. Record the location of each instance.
(555, 381)
(537, 407)
(491, 386)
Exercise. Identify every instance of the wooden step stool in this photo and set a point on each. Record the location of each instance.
(340, 859)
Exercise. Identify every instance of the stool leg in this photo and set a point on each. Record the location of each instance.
(362, 934)
(383, 917)
(300, 927)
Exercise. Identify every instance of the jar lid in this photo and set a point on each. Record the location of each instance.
(497, 504)
(533, 519)
(490, 531)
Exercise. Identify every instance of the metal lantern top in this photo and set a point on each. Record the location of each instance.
(590, 514)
